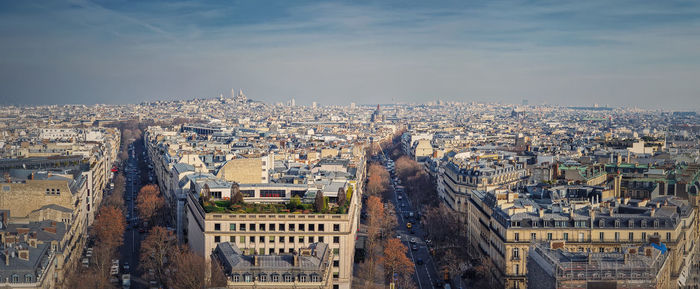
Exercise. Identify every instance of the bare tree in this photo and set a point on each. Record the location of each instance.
(156, 250)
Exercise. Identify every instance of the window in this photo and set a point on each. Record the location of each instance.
(281, 226)
(272, 227)
(261, 227)
(314, 278)
(601, 223)
(320, 239)
(301, 239)
(656, 223)
(617, 236)
(549, 236)
(251, 227)
(247, 278)
(217, 227)
(272, 251)
(321, 228)
(281, 239)
(336, 239)
(517, 237)
(311, 239)
(602, 250)
(291, 227)
(262, 251)
(281, 250)
(232, 239)
(301, 227)
(336, 263)
(644, 223)
(566, 236)
(644, 236)
(336, 227)
(580, 237)
(262, 277)
(287, 278)
(533, 236)
(630, 224)
(236, 278)
(602, 236)
(271, 239)
(217, 239)
(516, 253)
(291, 250)
(232, 227)
(517, 269)
(302, 278)
(336, 251)
(242, 239)
(275, 277)
(617, 223)
(312, 227)
(631, 236)
(262, 239)
(291, 239)
(668, 237)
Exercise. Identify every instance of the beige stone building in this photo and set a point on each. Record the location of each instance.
(503, 226)
(277, 233)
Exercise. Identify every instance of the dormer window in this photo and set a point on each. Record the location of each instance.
(644, 223)
(631, 224)
(601, 223)
(617, 223)
(656, 223)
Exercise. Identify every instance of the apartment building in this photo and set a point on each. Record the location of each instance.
(502, 225)
(643, 267)
(31, 253)
(308, 268)
(272, 230)
(460, 177)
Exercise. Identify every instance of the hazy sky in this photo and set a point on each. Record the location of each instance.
(644, 53)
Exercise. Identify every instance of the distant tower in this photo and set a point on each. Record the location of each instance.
(352, 105)
(233, 93)
(314, 104)
(294, 102)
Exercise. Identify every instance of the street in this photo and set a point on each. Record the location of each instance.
(426, 273)
(129, 251)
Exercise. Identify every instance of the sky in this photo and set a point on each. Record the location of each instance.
(618, 53)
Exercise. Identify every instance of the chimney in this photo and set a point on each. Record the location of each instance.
(592, 215)
(7, 258)
(541, 212)
(255, 261)
(653, 210)
(296, 260)
(31, 177)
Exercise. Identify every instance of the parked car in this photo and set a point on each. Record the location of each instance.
(419, 261)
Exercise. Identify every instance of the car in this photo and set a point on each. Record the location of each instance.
(400, 198)
(125, 267)
(414, 248)
(398, 237)
(419, 261)
(141, 230)
(413, 240)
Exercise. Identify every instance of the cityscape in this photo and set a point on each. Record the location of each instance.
(389, 145)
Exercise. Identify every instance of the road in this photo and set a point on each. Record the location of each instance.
(425, 274)
(129, 251)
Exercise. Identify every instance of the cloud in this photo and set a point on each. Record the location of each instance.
(633, 53)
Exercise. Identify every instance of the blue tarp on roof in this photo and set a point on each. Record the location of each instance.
(661, 247)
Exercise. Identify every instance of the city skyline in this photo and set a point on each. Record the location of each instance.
(632, 54)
